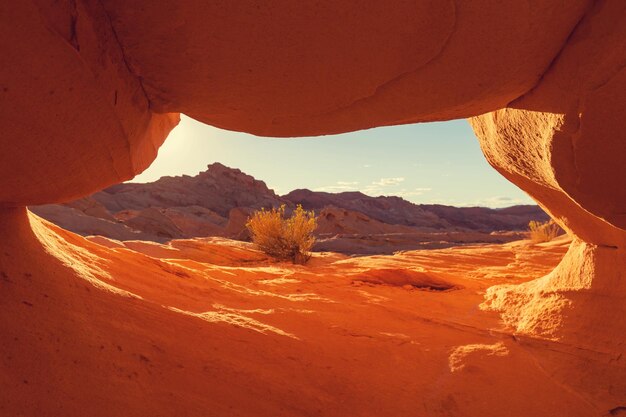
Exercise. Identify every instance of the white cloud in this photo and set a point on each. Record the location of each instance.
(372, 191)
(497, 202)
(377, 188)
(339, 186)
(414, 192)
(388, 182)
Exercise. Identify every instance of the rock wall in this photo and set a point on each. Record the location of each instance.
(91, 89)
(75, 118)
(564, 143)
(292, 69)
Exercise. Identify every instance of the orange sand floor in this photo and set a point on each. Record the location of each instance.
(210, 327)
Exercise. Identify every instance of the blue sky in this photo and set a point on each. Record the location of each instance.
(424, 163)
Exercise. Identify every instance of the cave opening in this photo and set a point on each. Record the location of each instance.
(425, 163)
(376, 191)
(153, 321)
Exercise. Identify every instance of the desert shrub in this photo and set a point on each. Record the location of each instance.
(543, 231)
(284, 238)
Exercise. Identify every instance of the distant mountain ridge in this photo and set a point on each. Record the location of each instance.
(219, 189)
(396, 210)
(217, 202)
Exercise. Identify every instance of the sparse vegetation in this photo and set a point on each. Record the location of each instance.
(284, 238)
(543, 231)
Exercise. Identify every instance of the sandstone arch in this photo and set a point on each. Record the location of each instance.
(100, 79)
(92, 89)
(564, 144)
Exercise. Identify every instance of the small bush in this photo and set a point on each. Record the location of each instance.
(284, 238)
(543, 231)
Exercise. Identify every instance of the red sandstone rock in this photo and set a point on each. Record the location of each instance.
(335, 220)
(85, 90)
(285, 68)
(90, 207)
(75, 119)
(237, 219)
(565, 144)
(80, 105)
(79, 222)
(122, 326)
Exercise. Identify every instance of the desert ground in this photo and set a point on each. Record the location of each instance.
(212, 327)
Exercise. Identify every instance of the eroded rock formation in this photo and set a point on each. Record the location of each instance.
(76, 119)
(285, 68)
(564, 143)
(209, 327)
(89, 90)
(88, 104)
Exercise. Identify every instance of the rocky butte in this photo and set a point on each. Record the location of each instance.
(90, 90)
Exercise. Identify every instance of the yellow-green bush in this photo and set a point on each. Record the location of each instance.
(543, 231)
(284, 238)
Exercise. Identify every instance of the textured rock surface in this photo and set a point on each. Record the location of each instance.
(287, 68)
(75, 119)
(80, 105)
(89, 90)
(211, 328)
(79, 222)
(565, 144)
